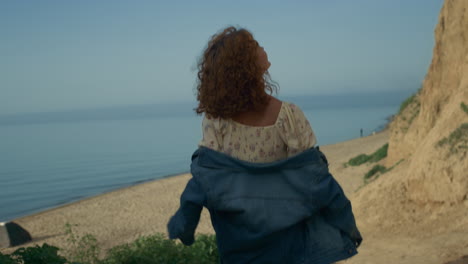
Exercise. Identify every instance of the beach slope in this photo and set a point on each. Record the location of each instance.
(123, 215)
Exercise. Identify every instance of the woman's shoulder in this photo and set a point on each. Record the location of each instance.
(290, 110)
(291, 105)
(215, 123)
(279, 106)
(295, 129)
(292, 119)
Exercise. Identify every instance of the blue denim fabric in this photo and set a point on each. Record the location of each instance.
(288, 211)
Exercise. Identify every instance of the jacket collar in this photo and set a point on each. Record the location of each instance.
(206, 157)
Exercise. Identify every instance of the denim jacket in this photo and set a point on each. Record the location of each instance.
(288, 211)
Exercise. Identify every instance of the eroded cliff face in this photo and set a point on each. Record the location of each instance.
(423, 199)
(426, 193)
(429, 133)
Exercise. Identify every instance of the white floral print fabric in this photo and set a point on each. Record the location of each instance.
(290, 135)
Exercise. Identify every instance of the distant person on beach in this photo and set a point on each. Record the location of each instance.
(257, 170)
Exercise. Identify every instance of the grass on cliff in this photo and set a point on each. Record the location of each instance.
(406, 103)
(464, 107)
(374, 170)
(374, 157)
(457, 140)
(378, 170)
(412, 103)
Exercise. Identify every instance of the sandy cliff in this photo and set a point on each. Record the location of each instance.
(426, 194)
(438, 173)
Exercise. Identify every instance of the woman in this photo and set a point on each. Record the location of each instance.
(241, 119)
(268, 190)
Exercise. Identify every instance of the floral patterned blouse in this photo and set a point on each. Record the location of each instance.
(290, 135)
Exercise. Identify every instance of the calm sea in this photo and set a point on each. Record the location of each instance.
(50, 159)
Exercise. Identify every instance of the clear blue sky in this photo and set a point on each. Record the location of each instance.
(76, 54)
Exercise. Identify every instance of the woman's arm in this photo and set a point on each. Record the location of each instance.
(183, 224)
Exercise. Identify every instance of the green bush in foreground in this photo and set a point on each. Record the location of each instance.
(374, 157)
(44, 254)
(157, 249)
(83, 249)
(7, 259)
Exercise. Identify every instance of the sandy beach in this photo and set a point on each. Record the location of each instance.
(124, 215)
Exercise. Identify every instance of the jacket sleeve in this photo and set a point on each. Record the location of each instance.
(337, 210)
(183, 224)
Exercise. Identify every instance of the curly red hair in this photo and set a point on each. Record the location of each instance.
(230, 79)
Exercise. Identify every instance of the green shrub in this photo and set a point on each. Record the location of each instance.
(82, 249)
(358, 160)
(44, 254)
(157, 249)
(154, 249)
(464, 107)
(458, 139)
(374, 157)
(379, 154)
(7, 259)
(374, 170)
(144, 250)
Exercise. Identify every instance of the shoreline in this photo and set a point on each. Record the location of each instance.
(135, 183)
(84, 198)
